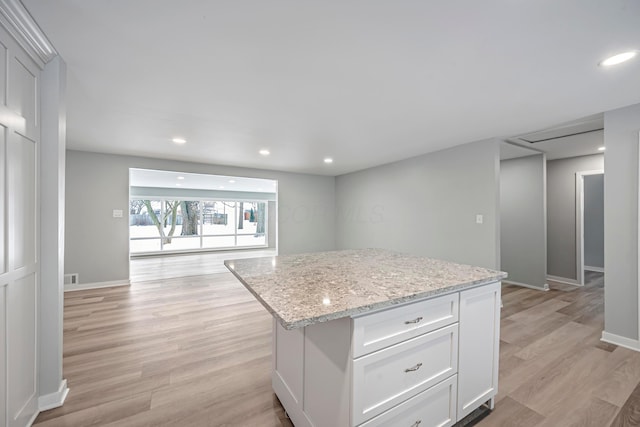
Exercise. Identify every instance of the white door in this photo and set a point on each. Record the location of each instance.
(19, 137)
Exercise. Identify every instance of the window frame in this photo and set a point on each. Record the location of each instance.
(201, 235)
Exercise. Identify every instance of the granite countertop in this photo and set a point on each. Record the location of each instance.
(301, 290)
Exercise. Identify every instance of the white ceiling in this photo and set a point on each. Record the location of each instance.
(171, 179)
(365, 82)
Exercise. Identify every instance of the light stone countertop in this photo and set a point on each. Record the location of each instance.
(301, 290)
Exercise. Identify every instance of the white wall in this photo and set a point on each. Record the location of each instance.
(97, 245)
(561, 212)
(425, 205)
(52, 160)
(523, 251)
(621, 129)
(20, 142)
(32, 141)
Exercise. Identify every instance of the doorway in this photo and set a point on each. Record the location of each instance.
(589, 223)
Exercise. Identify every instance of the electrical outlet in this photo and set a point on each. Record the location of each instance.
(479, 219)
(117, 213)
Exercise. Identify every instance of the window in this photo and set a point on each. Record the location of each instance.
(168, 225)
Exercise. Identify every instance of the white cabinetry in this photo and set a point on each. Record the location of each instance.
(412, 364)
(372, 332)
(383, 379)
(433, 407)
(479, 347)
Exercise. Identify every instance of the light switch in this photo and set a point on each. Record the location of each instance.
(117, 213)
(479, 219)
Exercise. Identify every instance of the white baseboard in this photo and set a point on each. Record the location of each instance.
(564, 280)
(96, 285)
(33, 419)
(625, 342)
(54, 400)
(596, 269)
(544, 287)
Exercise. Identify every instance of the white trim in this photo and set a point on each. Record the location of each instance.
(580, 221)
(54, 400)
(33, 418)
(544, 287)
(22, 27)
(564, 280)
(97, 285)
(545, 231)
(596, 269)
(625, 342)
(18, 273)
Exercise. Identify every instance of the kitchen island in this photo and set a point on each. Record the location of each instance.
(372, 337)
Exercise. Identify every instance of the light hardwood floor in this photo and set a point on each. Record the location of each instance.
(195, 351)
(169, 267)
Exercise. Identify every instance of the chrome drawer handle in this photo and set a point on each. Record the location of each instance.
(415, 368)
(416, 320)
(417, 423)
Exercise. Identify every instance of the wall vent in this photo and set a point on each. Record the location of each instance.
(71, 279)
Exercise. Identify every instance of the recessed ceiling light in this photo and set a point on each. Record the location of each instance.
(179, 140)
(264, 152)
(231, 181)
(618, 59)
(221, 187)
(181, 177)
(601, 148)
(178, 185)
(328, 160)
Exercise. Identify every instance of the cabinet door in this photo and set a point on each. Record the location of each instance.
(288, 368)
(479, 345)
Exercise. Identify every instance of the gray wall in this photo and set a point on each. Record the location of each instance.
(561, 212)
(97, 245)
(523, 252)
(594, 221)
(425, 205)
(621, 221)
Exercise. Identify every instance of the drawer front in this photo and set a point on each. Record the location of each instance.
(379, 330)
(387, 377)
(435, 407)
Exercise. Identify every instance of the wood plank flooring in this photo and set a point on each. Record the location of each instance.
(197, 264)
(554, 370)
(195, 351)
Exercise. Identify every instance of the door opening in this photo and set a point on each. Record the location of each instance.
(589, 223)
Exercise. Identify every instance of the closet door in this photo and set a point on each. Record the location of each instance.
(19, 137)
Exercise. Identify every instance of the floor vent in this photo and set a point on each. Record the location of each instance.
(71, 279)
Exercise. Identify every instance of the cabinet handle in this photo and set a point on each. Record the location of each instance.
(417, 423)
(415, 368)
(416, 320)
